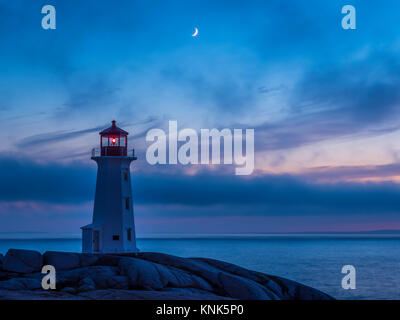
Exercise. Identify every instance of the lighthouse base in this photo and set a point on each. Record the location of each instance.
(92, 242)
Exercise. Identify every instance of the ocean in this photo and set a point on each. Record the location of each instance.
(314, 260)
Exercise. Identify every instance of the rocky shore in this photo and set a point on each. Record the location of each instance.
(147, 275)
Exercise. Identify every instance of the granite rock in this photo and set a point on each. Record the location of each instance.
(62, 260)
(147, 275)
(22, 261)
(1, 261)
(87, 259)
(69, 290)
(21, 284)
(86, 284)
(154, 276)
(170, 294)
(100, 275)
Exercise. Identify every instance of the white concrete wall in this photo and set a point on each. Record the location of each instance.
(110, 213)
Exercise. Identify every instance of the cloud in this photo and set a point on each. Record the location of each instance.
(95, 94)
(357, 98)
(22, 180)
(204, 194)
(360, 91)
(346, 173)
(216, 90)
(269, 195)
(53, 137)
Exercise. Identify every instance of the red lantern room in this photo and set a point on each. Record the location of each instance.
(114, 141)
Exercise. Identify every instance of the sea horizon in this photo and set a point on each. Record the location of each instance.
(27, 235)
(313, 259)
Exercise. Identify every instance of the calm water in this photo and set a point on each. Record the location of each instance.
(315, 261)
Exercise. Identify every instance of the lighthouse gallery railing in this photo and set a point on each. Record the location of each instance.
(96, 152)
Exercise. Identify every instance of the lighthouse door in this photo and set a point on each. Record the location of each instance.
(96, 241)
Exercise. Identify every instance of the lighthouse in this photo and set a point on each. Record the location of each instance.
(113, 227)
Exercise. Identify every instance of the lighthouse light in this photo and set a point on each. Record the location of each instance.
(113, 140)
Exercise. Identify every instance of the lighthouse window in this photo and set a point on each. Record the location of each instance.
(113, 141)
(127, 203)
(122, 142)
(104, 142)
(125, 174)
(129, 234)
(116, 238)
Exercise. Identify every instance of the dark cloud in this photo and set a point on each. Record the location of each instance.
(265, 195)
(228, 91)
(358, 98)
(97, 94)
(22, 180)
(360, 91)
(149, 123)
(270, 194)
(52, 137)
(268, 90)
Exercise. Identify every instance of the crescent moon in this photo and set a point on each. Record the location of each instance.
(196, 32)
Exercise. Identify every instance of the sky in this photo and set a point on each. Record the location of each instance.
(324, 103)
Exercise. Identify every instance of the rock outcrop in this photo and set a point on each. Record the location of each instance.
(22, 261)
(143, 276)
(62, 260)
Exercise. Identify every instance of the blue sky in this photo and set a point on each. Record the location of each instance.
(324, 103)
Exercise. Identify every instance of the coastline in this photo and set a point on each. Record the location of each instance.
(147, 275)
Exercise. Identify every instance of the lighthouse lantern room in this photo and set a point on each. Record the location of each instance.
(113, 227)
(114, 141)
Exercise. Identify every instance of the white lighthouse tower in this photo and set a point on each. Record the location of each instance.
(113, 227)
